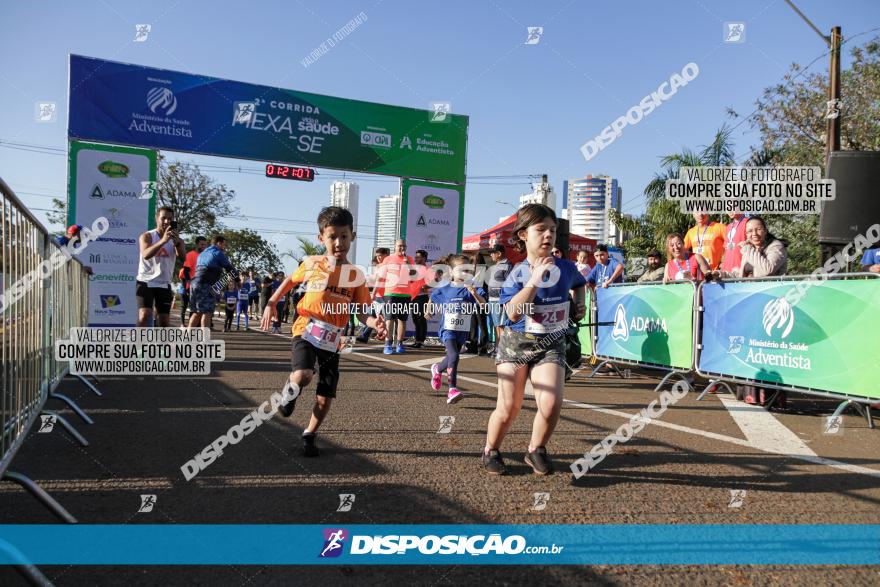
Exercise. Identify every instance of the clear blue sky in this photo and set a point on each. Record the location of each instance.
(531, 107)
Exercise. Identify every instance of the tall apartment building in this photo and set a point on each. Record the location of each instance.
(585, 204)
(345, 195)
(387, 221)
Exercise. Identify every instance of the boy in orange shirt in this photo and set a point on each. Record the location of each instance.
(332, 288)
(707, 239)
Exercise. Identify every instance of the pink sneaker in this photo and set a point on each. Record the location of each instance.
(453, 396)
(436, 377)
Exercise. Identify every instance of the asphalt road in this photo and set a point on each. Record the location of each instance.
(381, 443)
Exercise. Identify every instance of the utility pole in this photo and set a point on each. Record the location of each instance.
(545, 188)
(833, 111)
(832, 143)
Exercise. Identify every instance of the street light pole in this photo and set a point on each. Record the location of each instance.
(833, 141)
(833, 112)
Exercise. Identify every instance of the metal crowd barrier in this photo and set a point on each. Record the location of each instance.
(861, 404)
(720, 378)
(35, 312)
(682, 372)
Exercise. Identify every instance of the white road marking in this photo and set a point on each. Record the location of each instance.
(810, 458)
(763, 430)
(431, 361)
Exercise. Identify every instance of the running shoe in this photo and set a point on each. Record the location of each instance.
(400, 350)
(388, 350)
(436, 377)
(539, 461)
(453, 396)
(493, 463)
(309, 449)
(288, 395)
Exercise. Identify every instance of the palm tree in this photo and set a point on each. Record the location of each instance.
(306, 249)
(665, 216)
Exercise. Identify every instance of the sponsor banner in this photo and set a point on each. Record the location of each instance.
(116, 183)
(141, 106)
(585, 333)
(433, 217)
(824, 342)
(652, 324)
(532, 544)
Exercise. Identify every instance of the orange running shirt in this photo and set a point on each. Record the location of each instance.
(322, 289)
(395, 273)
(708, 241)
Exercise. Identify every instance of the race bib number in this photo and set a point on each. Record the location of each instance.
(322, 335)
(457, 321)
(242, 295)
(547, 319)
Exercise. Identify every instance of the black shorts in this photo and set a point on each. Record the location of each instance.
(396, 307)
(305, 355)
(148, 296)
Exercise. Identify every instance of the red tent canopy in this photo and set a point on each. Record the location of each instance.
(502, 233)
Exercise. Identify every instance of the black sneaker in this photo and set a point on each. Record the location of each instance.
(290, 395)
(493, 463)
(309, 449)
(539, 461)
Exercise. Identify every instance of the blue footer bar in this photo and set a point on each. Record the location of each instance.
(843, 544)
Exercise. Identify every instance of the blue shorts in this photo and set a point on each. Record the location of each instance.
(456, 335)
(202, 298)
(496, 313)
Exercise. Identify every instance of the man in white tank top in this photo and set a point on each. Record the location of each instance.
(158, 249)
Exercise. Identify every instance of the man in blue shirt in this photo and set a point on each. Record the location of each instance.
(207, 283)
(871, 261)
(606, 271)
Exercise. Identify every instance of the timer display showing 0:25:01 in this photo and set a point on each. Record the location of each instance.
(288, 172)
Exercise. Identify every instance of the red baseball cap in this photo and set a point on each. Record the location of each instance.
(74, 229)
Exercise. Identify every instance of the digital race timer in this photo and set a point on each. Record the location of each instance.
(288, 172)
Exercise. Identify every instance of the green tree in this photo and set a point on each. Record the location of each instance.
(791, 119)
(662, 216)
(58, 216)
(307, 248)
(791, 114)
(248, 250)
(198, 200)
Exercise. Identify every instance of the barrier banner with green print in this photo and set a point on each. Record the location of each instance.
(815, 335)
(652, 324)
(585, 333)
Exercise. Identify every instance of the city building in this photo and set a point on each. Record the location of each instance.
(542, 193)
(585, 204)
(387, 221)
(345, 195)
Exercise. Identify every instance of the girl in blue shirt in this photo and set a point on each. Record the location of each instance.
(455, 303)
(230, 297)
(532, 343)
(243, 303)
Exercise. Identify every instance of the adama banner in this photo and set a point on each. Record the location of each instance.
(652, 324)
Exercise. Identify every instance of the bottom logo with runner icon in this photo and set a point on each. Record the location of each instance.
(346, 501)
(541, 499)
(446, 423)
(47, 423)
(334, 539)
(737, 498)
(147, 503)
